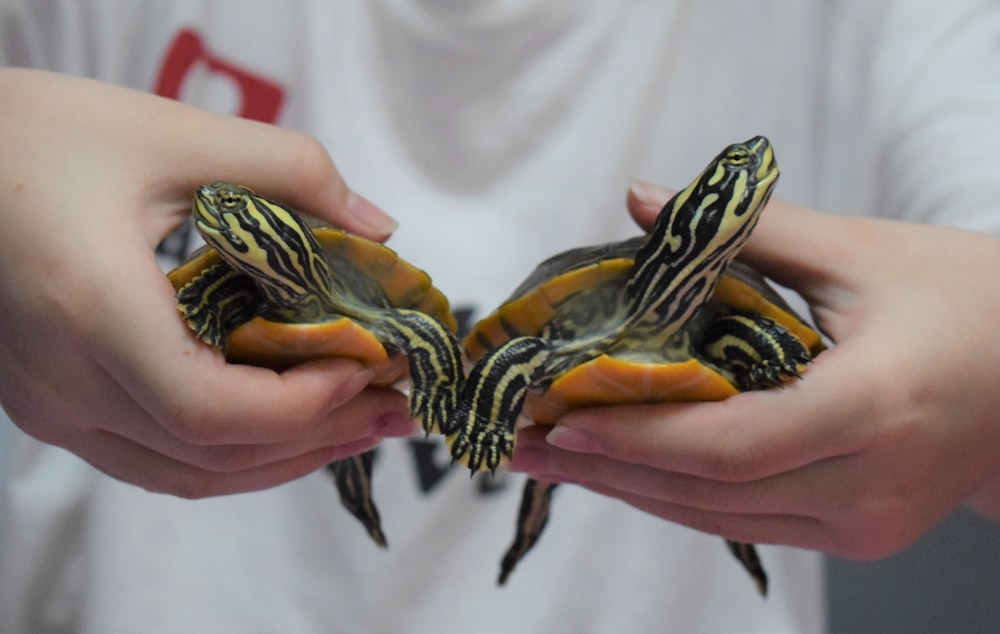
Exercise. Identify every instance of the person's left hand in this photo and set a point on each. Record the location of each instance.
(891, 428)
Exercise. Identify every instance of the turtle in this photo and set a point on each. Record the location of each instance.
(670, 316)
(270, 288)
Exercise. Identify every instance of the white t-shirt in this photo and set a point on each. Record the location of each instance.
(498, 133)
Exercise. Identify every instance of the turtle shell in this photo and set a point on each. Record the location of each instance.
(280, 345)
(610, 380)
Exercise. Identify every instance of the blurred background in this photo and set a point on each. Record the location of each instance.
(948, 582)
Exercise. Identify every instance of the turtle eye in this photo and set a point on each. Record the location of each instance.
(229, 200)
(737, 158)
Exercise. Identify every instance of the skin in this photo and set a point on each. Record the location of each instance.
(94, 357)
(891, 429)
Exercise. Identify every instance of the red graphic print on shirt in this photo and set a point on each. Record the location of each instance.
(259, 98)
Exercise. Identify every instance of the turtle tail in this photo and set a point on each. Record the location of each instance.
(353, 477)
(533, 515)
(747, 555)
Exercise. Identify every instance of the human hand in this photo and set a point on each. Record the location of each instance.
(889, 430)
(94, 356)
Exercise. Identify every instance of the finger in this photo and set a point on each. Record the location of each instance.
(374, 413)
(828, 505)
(130, 462)
(286, 166)
(200, 147)
(713, 507)
(645, 201)
(745, 437)
(801, 248)
(825, 489)
(789, 530)
(188, 387)
(792, 245)
(189, 148)
(862, 541)
(628, 479)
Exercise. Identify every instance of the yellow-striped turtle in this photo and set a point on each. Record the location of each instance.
(270, 290)
(658, 318)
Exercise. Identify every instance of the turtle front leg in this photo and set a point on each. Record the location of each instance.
(435, 365)
(480, 434)
(353, 477)
(536, 499)
(753, 352)
(214, 303)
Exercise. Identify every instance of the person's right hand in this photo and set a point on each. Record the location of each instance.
(93, 354)
(890, 429)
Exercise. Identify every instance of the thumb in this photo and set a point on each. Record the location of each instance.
(645, 200)
(792, 245)
(801, 248)
(281, 164)
(187, 148)
(296, 169)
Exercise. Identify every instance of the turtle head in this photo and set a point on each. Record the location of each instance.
(715, 214)
(699, 231)
(264, 239)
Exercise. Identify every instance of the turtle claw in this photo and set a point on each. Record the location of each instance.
(435, 365)
(423, 407)
(490, 448)
(753, 352)
(776, 374)
(768, 375)
(213, 321)
(476, 441)
(481, 430)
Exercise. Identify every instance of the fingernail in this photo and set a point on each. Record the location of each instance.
(649, 194)
(570, 439)
(351, 387)
(369, 214)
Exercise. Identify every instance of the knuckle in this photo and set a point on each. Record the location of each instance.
(224, 458)
(699, 492)
(737, 460)
(873, 543)
(196, 415)
(708, 524)
(193, 422)
(309, 159)
(877, 529)
(189, 485)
